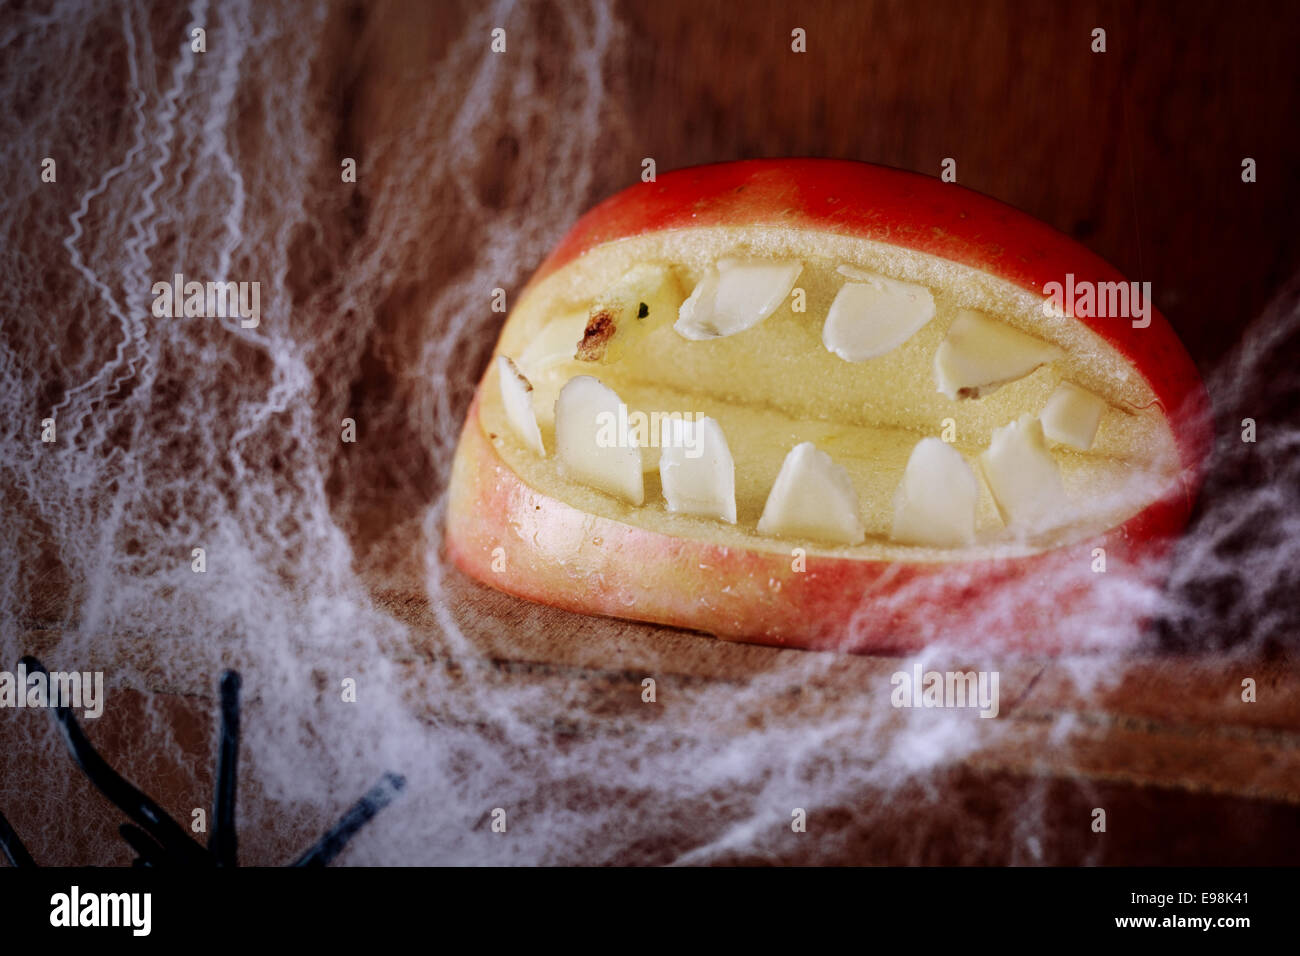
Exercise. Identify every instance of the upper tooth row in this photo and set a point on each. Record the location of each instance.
(870, 316)
(812, 497)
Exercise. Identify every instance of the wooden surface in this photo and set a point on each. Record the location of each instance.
(1136, 153)
(1187, 772)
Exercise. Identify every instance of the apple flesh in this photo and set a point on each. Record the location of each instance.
(686, 305)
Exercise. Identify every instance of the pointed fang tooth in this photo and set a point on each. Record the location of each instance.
(936, 500)
(980, 354)
(555, 343)
(517, 397)
(874, 314)
(736, 298)
(1071, 416)
(812, 497)
(1023, 476)
(697, 471)
(588, 444)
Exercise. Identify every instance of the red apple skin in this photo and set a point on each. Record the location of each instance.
(558, 555)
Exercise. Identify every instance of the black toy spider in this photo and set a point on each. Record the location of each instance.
(161, 841)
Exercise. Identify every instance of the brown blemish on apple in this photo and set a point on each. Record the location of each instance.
(595, 337)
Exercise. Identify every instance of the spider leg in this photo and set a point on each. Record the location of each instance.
(148, 852)
(126, 797)
(12, 847)
(363, 811)
(223, 842)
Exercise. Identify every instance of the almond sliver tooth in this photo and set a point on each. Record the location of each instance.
(696, 469)
(555, 343)
(1023, 477)
(1071, 416)
(588, 444)
(517, 397)
(874, 314)
(812, 497)
(980, 353)
(735, 298)
(936, 500)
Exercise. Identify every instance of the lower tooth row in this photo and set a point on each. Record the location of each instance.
(812, 497)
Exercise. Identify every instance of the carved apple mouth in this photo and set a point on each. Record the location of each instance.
(844, 395)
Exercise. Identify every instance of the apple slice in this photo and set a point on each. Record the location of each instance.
(980, 354)
(840, 526)
(517, 396)
(937, 498)
(1071, 416)
(1023, 477)
(735, 295)
(588, 444)
(696, 469)
(873, 315)
(812, 498)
